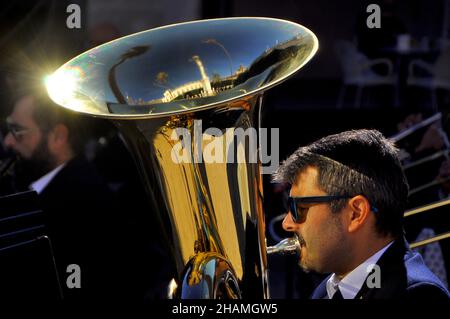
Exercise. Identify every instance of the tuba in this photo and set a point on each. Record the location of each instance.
(162, 87)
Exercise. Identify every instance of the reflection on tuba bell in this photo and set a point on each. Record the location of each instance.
(160, 88)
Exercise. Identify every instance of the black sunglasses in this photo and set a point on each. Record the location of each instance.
(299, 213)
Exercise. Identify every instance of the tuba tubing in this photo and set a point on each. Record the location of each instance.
(172, 92)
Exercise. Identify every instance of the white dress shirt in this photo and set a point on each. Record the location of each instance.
(353, 282)
(42, 182)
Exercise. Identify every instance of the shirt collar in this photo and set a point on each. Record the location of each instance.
(42, 182)
(351, 284)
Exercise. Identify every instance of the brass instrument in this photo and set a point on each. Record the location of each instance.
(430, 240)
(424, 209)
(7, 166)
(436, 118)
(158, 83)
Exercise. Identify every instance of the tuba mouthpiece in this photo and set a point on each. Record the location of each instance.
(7, 166)
(287, 246)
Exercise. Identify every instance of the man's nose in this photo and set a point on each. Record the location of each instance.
(288, 223)
(9, 140)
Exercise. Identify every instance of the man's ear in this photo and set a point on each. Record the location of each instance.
(58, 137)
(359, 214)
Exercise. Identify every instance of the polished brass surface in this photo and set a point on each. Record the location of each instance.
(430, 240)
(438, 154)
(426, 159)
(426, 208)
(182, 68)
(152, 84)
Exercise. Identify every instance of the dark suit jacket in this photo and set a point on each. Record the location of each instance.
(403, 275)
(81, 222)
(96, 229)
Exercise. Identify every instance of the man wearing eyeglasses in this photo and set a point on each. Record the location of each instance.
(43, 147)
(346, 204)
(76, 201)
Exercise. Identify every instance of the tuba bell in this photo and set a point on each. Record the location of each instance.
(156, 86)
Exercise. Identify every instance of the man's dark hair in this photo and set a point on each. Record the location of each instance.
(47, 115)
(359, 162)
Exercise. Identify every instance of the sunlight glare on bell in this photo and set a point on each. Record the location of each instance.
(62, 85)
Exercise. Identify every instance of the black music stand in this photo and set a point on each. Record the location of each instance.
(27, 266)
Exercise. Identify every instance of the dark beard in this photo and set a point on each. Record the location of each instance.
(29, 170)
